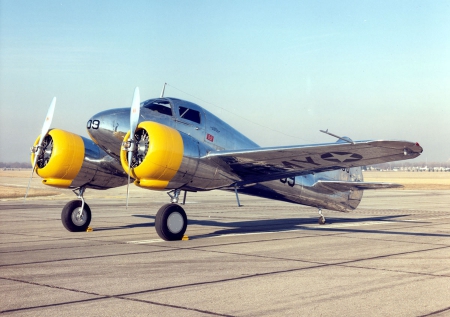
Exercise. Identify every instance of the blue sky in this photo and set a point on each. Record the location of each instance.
(364, 69)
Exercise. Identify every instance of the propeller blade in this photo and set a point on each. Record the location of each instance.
(44, 131)
(134, 119)
(135, 112)
(48, 119)
(130, 156)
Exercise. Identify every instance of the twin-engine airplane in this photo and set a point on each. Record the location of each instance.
(175, 145)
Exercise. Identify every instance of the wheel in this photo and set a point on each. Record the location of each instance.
(321, 220)
(171, 222)
(72, 220)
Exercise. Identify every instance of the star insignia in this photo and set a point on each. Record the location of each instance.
(341, 157)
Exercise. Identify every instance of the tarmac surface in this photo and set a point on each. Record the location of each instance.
(391, 257)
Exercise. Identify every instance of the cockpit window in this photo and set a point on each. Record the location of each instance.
(189, 114)
(161, 106)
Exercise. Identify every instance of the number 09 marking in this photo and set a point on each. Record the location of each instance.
(290, 181)
(93, 124)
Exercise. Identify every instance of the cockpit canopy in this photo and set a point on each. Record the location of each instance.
(168, 106)
(158, 105)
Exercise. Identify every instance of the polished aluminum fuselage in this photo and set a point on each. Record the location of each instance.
(108, 128)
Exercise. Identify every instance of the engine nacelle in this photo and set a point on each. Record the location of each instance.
(68, 160)
(158, 156)
(62, 158)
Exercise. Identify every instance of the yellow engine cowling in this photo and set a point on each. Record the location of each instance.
(163, 157)
(66, 159)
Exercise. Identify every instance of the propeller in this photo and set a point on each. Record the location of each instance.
(38, 148)
(131, 142)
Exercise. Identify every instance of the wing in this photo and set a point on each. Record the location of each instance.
(264, 164)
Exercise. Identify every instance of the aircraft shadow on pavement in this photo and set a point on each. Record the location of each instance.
(286, 224)
(280, 225)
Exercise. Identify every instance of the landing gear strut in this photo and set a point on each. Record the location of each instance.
(321, 217)
(76, 214)
(171, 219)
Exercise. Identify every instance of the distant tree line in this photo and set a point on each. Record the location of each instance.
(411, 166)
(406, 164)
(15, 165)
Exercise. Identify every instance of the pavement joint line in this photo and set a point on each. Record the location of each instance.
(314, 266)
(390, 240)
(166, 249)
(172, 306)
(396, 271)
(50, 305)
(344, 263)
(59, 248)
(98, 297)
(436, 312)
(338, 233)
(84, 258)
(317, 265)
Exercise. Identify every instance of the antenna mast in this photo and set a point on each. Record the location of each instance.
(162, 92)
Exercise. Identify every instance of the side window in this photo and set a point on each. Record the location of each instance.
(160, 106)
(189, 114)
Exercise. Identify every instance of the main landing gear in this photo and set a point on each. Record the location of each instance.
(321, 217)
(171, 219)
(76, 214)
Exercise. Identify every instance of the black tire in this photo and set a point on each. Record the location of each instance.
(322, 220)
(171, 222)
(69, 216)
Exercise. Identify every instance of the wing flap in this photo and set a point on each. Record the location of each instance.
(343, 186)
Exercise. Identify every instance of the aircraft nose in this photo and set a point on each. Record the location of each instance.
(108, 128)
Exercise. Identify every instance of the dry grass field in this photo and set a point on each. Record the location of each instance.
(412, 180)
(13, 183)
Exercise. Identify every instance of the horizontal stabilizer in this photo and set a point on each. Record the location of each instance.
(342, 186)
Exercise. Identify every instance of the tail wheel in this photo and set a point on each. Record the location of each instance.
(74, 219)
(171, 222)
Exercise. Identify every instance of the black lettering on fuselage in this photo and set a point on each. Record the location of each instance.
(93, 124)
(290, 181)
